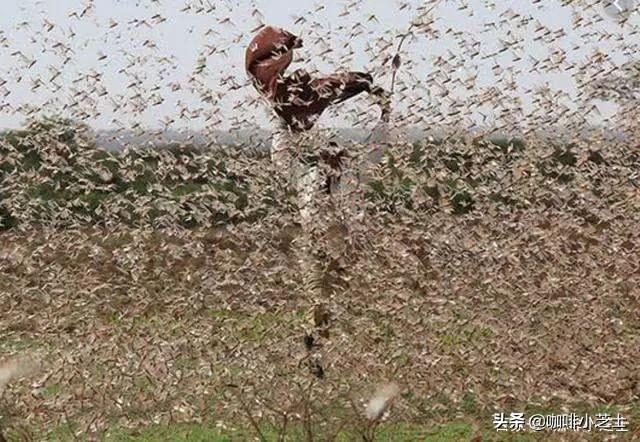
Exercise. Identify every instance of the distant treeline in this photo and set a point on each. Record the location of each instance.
(53, 172)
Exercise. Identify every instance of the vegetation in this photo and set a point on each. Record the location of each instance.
(54, 174)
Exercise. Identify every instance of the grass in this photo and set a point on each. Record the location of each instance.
(454, 431)
(194, 433)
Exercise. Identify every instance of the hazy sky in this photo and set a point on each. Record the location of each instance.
(128, 62)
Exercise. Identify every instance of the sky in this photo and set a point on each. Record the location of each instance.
(178, 64)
